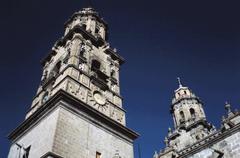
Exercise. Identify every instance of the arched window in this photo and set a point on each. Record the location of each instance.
(96, 65)
(192, 112)
(82, 51)
(97, 30)
(197, 137)
(182, 116)
(84, 26)
(65, 60)
(45, 97)
(179, 94)
(55, 71)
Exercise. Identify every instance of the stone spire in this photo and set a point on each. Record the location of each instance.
(228, 108)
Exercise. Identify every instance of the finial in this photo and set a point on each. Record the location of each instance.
(228, 107)
(166, 141)
(169, 130)
(155, 155)
(223, 118)
(179, 82)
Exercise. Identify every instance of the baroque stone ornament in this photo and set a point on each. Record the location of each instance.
(99, 98)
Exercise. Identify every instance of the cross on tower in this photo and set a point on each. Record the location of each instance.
(179, 82)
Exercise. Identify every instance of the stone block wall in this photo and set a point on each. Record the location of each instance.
(79, 137)
(230, 146)
(40, 138)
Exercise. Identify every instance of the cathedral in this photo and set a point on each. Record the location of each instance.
(193, 136)
(77, 111)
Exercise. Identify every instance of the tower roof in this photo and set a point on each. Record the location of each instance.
(182, 92)
(87, 11)
(180, 86)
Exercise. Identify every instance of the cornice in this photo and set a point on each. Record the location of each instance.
(208, 141)
(79, 105)
(115, 55)
(86, 14)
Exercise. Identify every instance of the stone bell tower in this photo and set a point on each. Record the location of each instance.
(186, 107)
(189, 119)
(190, 123)
(77, 111)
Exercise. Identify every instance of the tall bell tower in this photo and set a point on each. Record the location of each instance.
(77, 111)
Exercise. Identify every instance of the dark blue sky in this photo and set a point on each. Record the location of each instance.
(160, 40)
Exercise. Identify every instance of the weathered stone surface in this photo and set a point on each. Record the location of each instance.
(79, 137)
(194, 137)
(40, 137)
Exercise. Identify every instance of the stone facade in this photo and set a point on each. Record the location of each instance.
(193, 136)
(77, 111)
(40, 137)
(74, 133)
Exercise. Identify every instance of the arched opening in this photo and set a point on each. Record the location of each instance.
(65, 60)
(82, 51)
(84, 26)
(56, 70)
(179, 94)
(192, 112)
(99, 72)
(97, 30)
(182, 117)
(197, 137)
(96, 65)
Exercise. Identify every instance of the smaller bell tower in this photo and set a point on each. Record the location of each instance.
(186, 108)
(190, 124)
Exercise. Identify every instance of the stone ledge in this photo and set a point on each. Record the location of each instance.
(76, 103)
